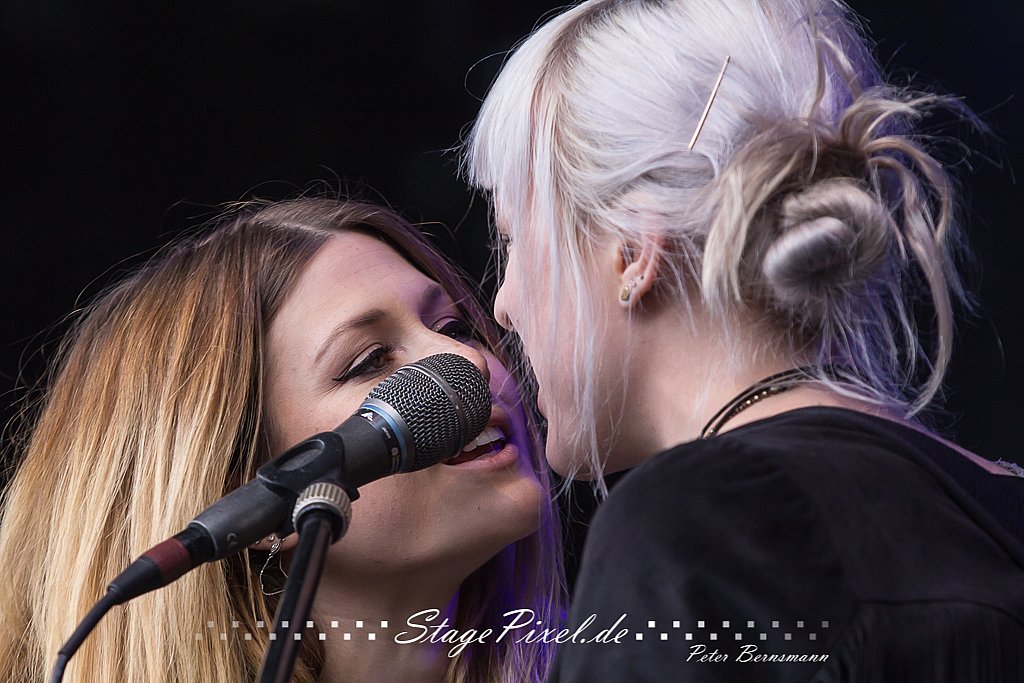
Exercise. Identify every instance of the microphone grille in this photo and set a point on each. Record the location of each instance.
(445, 402)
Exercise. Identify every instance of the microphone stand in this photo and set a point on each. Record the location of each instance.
(321, 517)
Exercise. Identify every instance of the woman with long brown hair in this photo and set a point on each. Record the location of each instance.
(225, 349)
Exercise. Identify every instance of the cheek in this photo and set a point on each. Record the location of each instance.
(526, 296)
(397, 524)
(295, 409)
(384, 517)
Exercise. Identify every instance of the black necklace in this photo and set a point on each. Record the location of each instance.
(769, 386)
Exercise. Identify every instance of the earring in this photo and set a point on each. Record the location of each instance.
(274, 547)
(627, 290)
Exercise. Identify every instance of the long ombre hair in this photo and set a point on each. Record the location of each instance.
(154, 411)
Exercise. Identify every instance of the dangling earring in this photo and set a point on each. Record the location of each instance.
(275, 546)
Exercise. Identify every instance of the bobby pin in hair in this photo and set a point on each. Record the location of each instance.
(707, 107)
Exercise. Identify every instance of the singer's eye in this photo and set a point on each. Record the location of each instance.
(456, 328)
(372, 363)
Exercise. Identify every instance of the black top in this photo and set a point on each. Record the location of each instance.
(821, 544)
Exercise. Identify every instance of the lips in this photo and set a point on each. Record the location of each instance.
(491, 440)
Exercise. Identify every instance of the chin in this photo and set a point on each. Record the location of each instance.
(567, 461)
(519, 508)
(561, 466)
(462, 558)
(514, 513)
(493, 531)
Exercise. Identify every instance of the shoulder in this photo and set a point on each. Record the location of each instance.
(811, 518)
(807, 492)
(810, 454)
(774, 471)
(707, 538)
(705, 498)
(708, 516)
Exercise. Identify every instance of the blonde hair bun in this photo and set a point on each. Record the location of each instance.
(834, 236)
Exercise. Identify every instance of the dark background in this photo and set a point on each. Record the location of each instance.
(125, 123)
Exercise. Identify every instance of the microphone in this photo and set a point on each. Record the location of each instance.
(422, 414)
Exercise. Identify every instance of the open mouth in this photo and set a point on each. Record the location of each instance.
(491, 440)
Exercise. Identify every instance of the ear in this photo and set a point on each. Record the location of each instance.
(264, 545)
(637, 267)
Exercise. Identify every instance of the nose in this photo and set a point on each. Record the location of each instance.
(501, 308)
(444, 344)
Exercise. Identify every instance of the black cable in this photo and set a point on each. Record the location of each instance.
(85, 627)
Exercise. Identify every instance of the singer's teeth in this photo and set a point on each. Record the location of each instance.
(487, 436)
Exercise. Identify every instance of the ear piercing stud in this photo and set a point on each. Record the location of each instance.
(627, 290)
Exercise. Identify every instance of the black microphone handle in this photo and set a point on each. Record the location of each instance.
(356, 452)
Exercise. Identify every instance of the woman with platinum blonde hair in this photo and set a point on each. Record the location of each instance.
(731, 264)
(223, 351)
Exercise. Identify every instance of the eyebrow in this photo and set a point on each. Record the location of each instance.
(371, 317)
(431, 294)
